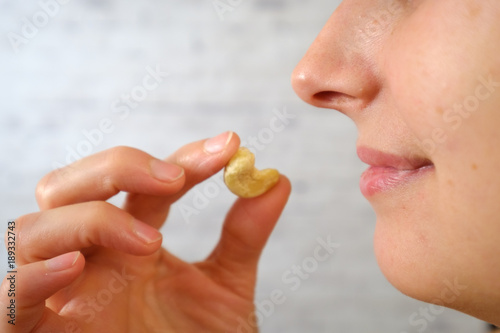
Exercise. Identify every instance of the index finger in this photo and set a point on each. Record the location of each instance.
(150, 182)
(101, 176)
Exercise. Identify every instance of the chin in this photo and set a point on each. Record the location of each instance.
(406, 262)
(422, 272)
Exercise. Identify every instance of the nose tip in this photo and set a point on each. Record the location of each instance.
(300, 84)
(313, 84)
(328, 84)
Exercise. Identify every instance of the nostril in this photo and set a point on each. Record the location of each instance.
(331, 97)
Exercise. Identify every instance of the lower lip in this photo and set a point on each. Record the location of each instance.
(382, 179)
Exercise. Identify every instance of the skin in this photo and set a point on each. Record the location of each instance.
(398, 78)
(93, 242)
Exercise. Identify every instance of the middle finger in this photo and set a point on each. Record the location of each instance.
(50, 233)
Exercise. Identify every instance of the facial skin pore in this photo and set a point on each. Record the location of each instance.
(421, 80)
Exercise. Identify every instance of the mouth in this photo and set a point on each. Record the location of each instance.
(389, 171)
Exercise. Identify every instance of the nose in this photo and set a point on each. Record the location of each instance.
(339, 71)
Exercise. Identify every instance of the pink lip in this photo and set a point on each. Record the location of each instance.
(388, 171)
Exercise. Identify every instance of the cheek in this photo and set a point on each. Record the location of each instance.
(442, 84)
(439, 72)
(449, 96)
(428, 87)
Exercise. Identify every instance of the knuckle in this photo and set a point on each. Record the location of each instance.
(22, 234)
(22, 220)
(106, 184)
(100, 208)
(44, 190)
(102, 212)
(114, 160)
(100, 222)
(93, 222)
(115, 156)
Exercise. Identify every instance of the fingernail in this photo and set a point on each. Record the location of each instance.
(217, 144)
(166, 172)
(147, 233)
(62, 262)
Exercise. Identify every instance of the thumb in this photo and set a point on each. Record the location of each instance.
(31, 286)
(246, 230)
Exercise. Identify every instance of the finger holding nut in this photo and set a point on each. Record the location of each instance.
(246, 181)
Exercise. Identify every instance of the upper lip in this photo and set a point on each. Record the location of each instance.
(377, 158)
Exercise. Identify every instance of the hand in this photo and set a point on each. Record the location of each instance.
(85, 265)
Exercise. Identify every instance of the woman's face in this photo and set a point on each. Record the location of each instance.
(421, 80)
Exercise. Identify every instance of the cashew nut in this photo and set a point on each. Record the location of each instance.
(244, 180)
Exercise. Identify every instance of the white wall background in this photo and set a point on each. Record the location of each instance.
(224, 74)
